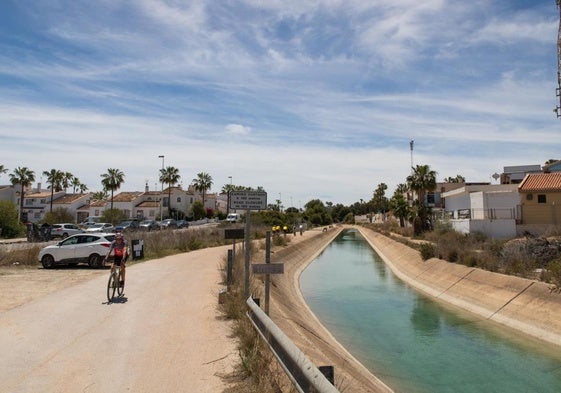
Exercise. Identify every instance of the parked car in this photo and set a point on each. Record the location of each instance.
(169, 223)
(89, 248)
(90, 221)
(233, 217)
(182, 224)
(129, 225)
(149, 225)
(64, 230)
(104, 227)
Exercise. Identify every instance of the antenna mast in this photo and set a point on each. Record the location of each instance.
(557, 109)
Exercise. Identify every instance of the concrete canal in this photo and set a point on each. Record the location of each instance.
(411, 342)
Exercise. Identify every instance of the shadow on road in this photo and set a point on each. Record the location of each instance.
(117, 300)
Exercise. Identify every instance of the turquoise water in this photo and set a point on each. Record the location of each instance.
(412, 343)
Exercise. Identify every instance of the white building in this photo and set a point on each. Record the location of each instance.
(489, 209)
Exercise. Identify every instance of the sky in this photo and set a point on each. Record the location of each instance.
(307, 99)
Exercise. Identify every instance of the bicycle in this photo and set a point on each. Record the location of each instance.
(113, 283)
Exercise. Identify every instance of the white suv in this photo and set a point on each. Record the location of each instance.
(65, 230)
(90, 248)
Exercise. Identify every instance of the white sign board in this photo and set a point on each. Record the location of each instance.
(248, 200)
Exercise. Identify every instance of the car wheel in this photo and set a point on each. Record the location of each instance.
(64, 235)
(47, 261)
(94, 260)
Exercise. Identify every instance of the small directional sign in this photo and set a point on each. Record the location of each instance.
(267, 268)
(233, 233)
(248, 200)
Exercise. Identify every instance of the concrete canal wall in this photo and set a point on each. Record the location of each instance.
(525, 305)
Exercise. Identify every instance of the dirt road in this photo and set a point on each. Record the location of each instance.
(165, 335)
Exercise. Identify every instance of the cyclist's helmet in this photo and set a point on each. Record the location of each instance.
(118, 235)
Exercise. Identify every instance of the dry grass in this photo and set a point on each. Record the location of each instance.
(257, 370)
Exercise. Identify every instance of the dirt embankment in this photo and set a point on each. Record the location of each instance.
(525, 305)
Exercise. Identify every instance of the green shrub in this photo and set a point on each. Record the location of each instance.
(553, 274)
(427, 251)
(58, 215)
(10, 227)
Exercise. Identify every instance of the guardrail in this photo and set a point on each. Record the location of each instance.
(305, 376)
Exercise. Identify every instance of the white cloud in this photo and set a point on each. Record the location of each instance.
(238, 129)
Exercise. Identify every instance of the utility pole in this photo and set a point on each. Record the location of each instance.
(162, 192)
(557, 109)
(411, 143)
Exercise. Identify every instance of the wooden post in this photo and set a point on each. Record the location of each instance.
(267, 276)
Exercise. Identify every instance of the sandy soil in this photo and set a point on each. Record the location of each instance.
(19, 285)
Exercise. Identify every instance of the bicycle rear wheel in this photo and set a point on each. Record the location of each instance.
(120, 289)
(111, 286)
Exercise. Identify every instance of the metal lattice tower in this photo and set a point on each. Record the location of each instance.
(557, 109)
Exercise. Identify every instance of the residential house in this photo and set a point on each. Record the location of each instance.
(8, 193)
(93, 209)
(149, 205)
(489, 209)
(515, 174)
(126, 202)
(72, 203)
(181, 200)
(37, 203)
(541, 201)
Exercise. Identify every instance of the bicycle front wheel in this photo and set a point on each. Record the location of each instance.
(120, 289)
(111, 286)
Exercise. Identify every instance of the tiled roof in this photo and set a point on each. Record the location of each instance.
(148, 204)
(126, 196)
(534, 182)
(42, 194)
(68, 198)
(97, 203)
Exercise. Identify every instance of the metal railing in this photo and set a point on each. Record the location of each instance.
(305, 376)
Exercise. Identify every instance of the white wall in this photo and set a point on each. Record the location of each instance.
(496, 229)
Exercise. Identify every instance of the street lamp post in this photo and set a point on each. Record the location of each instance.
(162, 191)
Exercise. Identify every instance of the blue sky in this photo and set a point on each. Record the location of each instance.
(308, 99)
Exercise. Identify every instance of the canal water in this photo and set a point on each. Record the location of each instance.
(411, 342)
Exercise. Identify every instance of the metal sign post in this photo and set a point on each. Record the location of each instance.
(267, 269)
(247, 200)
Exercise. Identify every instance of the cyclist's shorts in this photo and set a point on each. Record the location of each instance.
(117, 260)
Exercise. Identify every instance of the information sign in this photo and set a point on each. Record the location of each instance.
(248, 200)
(234, 233)
(267, 268)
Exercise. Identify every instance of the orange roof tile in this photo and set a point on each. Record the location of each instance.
(541, 182)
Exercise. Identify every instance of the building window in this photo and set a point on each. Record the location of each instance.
(178, 199)
(541, 198)
(529, 197)
(430, 198)
(43, 201)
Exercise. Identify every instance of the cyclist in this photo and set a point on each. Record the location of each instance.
(120, 248)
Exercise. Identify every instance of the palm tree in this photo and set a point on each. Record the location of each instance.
(100, 195)
(83, 188)
(399, 206)
(170, 176)
(3, 170)
(112, 180)
(202, 183)
(422, 179)
(54, 178)
(67, 179)
(24, 177)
